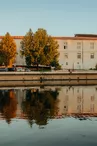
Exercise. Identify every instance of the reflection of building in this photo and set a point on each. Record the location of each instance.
(72, 101)
(78, 100)
(76, 52)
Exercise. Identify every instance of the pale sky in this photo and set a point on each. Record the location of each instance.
(58, 17)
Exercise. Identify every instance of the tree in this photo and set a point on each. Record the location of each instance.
(40, 106)
(7, 50)
(27, 47)
(40, 49)
(46, 48)
(8, 105)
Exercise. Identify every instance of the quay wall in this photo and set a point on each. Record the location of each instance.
(47, 78)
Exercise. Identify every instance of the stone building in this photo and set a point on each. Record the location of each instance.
(77, 52)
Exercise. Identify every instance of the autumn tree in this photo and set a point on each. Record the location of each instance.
(39, 48)
(8, 105)
(46, 48)
(27, 47)
(40, 106)
(7, 50)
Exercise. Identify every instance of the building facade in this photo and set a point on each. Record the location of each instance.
(78, 52)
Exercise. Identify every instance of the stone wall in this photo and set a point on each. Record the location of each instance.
(47, 78)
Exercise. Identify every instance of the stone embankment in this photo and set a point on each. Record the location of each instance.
(48, 78)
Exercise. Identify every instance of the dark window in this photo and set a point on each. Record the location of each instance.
(79, 55)
(92, 55)
(65, 47)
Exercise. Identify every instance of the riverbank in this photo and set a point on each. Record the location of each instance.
(48, 78)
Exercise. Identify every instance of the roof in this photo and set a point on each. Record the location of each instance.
(14, 37)
(86, 35)
(76, 37)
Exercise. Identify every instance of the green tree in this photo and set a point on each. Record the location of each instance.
(40, 106)
(27, 47)
(46, 48)
(39, 49)
(7, 50)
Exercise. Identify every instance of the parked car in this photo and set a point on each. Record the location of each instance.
(3, 69)
(20, 69)
(27, 70)
(11, 69)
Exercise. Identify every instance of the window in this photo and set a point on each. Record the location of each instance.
(78, 45)
(65, 45)
(66, 55)
(92, 107)
(91, 45)
(79, 99)
(79, 55)
(66, 63)
(66, 90)
(92, 55)
(79, 108)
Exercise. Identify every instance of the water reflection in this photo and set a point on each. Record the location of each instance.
(8, 105)
(37, 105)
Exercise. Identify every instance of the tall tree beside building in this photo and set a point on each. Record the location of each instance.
(39, 48)
(46, 48)
(7, 50)
(27, 47)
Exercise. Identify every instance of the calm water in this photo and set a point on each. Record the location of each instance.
(48, 116)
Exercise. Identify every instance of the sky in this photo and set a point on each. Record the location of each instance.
(58, 17)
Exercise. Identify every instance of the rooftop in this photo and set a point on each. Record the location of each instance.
(86, 35)
(75, 37)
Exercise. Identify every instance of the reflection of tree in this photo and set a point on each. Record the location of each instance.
(8, 104)
(39, 106)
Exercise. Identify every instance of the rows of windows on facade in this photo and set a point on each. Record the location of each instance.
(79, 45)
(79, 54)
(80, 103)
(79, 108)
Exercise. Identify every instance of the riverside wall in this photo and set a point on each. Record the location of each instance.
(47, 78)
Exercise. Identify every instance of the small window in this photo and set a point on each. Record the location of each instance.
(92, 55)
(66, 90)
(79, 55)
(66, 63)
(65, 45)
(66, 55)
(92, 107)
(78, 45)
(79, 99)
(79, 108)
(91, 45)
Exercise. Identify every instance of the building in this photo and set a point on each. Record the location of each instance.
(78, 100)
(77, 52)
